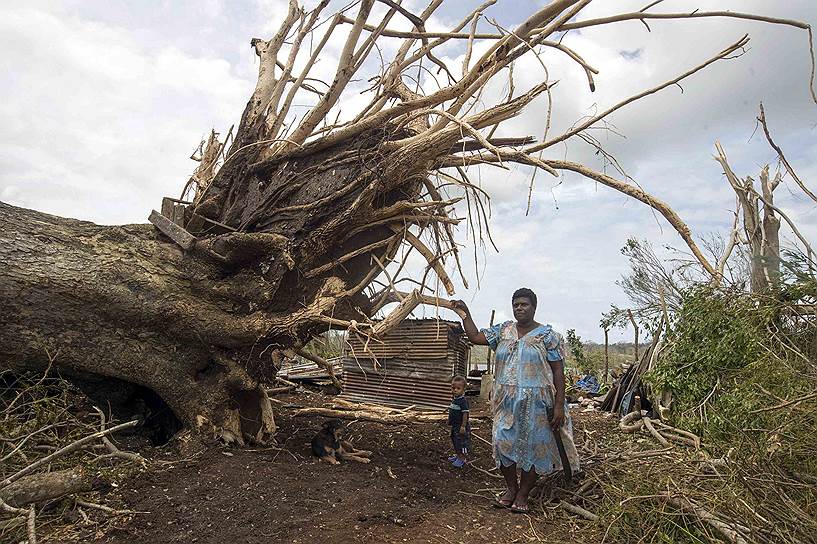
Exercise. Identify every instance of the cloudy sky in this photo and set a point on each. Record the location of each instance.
(102, 103)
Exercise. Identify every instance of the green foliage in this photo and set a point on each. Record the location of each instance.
(730, 357)
(327, 345)
(736, 364)
(654, 282)
(616, 318)
(586, 362)
(798, 282)
(712, 334)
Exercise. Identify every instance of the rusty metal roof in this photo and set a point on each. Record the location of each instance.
(413, 365)
(412, 339)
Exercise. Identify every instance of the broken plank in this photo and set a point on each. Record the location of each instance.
(167, 207)
(184, 239)
(174, 209)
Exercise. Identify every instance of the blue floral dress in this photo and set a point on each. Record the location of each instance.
(522, 395)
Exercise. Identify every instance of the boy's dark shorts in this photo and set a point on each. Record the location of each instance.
(462, 442)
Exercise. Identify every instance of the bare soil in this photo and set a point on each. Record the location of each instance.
(408, 493)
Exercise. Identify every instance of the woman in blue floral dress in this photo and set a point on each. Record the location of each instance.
(528, 399)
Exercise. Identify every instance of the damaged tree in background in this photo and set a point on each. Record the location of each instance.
(284, 228)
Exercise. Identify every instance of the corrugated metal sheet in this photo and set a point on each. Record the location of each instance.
(396, 391)
(307, 370)
(413, 365)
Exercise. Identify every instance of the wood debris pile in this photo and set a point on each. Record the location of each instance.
(56, 450)
(377, 413)
(300, 370)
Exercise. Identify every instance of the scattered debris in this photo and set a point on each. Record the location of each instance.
(636, 421)
(305, 370)
(588, 384)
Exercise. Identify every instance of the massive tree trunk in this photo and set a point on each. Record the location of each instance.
(121, 302)
(291, 221)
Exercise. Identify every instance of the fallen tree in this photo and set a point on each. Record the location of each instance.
(287, 222)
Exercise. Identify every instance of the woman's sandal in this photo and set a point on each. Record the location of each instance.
(524, 509)
(499, 502)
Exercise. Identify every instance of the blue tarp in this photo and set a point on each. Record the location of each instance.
(588, 384)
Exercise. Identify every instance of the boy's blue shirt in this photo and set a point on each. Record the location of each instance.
(458, 406)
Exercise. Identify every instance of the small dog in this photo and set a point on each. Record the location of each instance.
(328, 446)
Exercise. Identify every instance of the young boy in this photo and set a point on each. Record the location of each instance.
(458, 420)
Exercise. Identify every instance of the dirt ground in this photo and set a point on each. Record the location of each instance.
(408, 494)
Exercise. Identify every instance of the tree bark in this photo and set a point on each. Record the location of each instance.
(199, 327)
(119, 302)
(762, 230)
(50, 485)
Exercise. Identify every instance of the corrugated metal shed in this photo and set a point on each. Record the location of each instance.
(413, 365)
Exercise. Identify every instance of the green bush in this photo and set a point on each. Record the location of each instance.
(586, 362)
(731, 358)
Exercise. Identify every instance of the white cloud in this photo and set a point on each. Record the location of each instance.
(96, 125)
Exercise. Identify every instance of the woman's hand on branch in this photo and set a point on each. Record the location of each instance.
(461, 307)
(474, 334)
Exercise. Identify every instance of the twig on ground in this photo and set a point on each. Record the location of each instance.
(6, 508)
(388, 419)
(728, 531)
(112, 449)
(482, 470)
(106, 509)
(654, 433)
(578, 510)
(74, 446)
(478, 437)
(31, 528)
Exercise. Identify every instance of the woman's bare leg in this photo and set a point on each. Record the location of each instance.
(509, 473)
(526, 483)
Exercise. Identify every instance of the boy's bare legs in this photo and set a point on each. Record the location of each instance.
(526, 483)
(509, 473)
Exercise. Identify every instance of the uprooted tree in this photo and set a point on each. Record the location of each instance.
(291, 219)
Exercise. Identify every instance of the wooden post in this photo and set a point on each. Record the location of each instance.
(487, 383)
(485, 387)
(606, 356)
(488, 358)
(635, 328)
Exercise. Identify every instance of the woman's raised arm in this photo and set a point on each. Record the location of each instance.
(474, 335)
